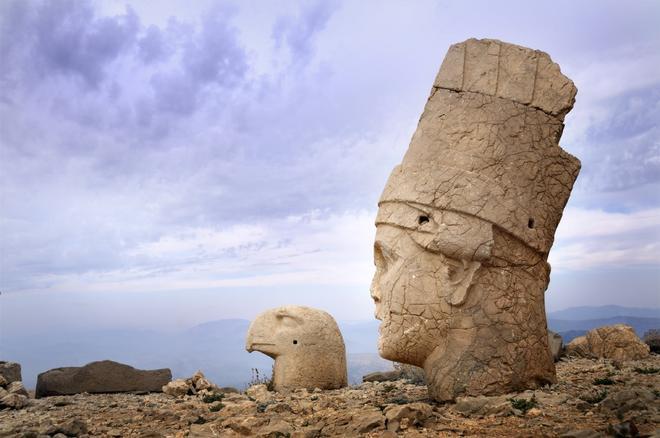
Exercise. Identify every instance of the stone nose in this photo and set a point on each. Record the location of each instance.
(374, 290)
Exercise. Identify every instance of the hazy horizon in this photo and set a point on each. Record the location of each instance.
(166, 164)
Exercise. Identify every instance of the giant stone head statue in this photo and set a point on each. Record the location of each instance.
(466, 221)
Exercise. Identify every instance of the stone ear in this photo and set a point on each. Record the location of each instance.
(461, 281)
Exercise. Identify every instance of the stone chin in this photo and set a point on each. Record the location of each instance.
(390, 342)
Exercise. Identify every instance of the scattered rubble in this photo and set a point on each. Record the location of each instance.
(372, 409)
(13, 394)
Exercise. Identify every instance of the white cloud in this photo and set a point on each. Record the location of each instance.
(589, 239)
(311, 249)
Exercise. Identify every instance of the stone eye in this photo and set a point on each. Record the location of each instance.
(295, 341)
(422, 219)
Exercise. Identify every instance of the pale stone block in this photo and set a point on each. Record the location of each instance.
(481, 65)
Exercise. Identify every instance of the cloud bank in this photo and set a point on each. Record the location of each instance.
(144, 149)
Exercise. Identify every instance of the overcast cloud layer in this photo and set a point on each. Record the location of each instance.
(191, 154)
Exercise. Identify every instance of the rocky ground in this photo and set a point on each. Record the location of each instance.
(593, 398)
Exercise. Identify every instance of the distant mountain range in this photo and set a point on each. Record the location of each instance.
(218, 349)
(576, 321)
(601, 312)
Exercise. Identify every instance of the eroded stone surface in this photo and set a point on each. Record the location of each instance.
(361, 410)
(306, 344)
(13, 394)
(466, 221)
(11, 371)
(618, 342)
(101, 376)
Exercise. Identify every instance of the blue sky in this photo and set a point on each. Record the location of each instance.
(168, 163)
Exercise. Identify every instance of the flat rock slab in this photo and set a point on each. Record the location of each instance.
(100, 377)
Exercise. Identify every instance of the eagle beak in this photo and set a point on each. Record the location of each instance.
(259, 337)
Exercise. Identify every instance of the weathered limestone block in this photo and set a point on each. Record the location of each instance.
(617, 342)
(466, 221)
(306, 344)
(100, 377)
(11, 371)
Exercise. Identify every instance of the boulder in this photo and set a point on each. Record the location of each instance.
(555, 343)
(652, 339)
(617, 342)
(100, 377)
(11, 371)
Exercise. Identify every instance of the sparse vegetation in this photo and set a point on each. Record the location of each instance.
(594, 398)
(649, 370)
(216, 396)
(604, 381)
(523, 405)
(216, 407)
(262, 379)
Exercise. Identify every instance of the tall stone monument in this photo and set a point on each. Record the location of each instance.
(466, 221)
(306, 344)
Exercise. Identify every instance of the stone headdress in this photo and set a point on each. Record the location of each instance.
(487, 143)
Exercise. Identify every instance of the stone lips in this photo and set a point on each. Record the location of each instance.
(100, 377)
(306, 344)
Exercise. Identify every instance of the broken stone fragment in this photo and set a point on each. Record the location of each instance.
(259, 393)
(176, 388)
(100, 377)
(369, 421)
(11, 371)
(617, 342)
(412, 414)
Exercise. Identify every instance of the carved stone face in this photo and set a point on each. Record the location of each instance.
(416, 284)
(466, 221)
